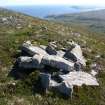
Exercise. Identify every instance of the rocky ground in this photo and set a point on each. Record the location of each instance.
(69, 65)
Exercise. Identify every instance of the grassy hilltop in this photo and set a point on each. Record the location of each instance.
(15, 28)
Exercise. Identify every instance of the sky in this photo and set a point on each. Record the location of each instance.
(100, 3)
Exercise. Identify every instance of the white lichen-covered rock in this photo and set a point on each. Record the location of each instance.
(80, 78)
(78, 53)
(43, 47)
(60, 53)
(53, 44)
(93, 72)
(28, 42)
(38, 57)
(53, 83)
(57, 62)
(32, 50)
(75, 54)
(30, 62)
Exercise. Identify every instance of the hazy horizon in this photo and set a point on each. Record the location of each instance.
(45, 10)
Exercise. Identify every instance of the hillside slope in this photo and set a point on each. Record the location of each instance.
(94, 20)
(15, 28)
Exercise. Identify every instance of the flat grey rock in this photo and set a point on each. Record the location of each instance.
(32, 50)
(57, 62)
(78, 78)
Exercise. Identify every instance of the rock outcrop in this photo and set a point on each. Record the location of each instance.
(75, 54)
(69, 61)
(32, 50)
(60, 53)
(79, 78)
(57, 62)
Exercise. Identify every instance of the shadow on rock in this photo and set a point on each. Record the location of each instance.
(19, 73)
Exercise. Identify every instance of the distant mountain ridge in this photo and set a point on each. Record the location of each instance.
(95, 20)
(44, 10)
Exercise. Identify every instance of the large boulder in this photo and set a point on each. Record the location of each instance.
(65, 87)
(60, 53)
(57, 62)
(93, 72)
(78, 78)
(47, 81)
(75, 54)
(30, 62)
(32, 50)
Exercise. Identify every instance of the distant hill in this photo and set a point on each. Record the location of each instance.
(15, 20)
(44, 10)
(94, 20)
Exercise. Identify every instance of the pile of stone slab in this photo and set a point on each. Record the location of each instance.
(70, 62)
